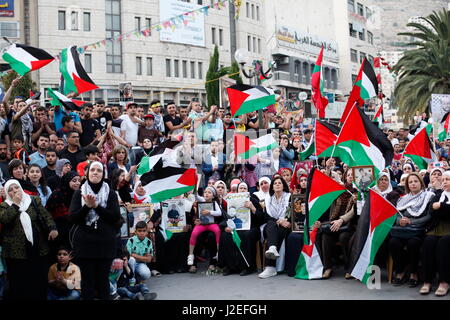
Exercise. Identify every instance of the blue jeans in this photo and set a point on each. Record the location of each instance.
(71, 295)
(140, 269)
(130, 292)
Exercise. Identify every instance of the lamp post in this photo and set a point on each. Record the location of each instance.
(256, 73)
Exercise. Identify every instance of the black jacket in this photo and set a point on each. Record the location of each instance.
(89, 242)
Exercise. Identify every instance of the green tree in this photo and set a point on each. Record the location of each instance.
(426, 68)
(23, 87)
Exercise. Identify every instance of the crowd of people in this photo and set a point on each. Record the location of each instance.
(66, 174)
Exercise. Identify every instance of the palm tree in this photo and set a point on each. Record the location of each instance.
(426, 68)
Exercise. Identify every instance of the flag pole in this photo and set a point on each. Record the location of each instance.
(248, 265)
(334, 147)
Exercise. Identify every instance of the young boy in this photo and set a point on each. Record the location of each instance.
(68, 125)
(124, 288)
(19, 151)
(64, 278)
(141, 252)
(91, 153)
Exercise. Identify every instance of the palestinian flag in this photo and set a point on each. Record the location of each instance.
(245, 148)
(244, 98)
(309, 151)
(325, 136)
(362, 143)
(379, 116)
(148, 162)
(419, 149)
(168, 182)
(444, 132)
(61, 100)
(24, 59)
(321, 192)
(376, 220)
(75, 77)
(317, 87)
(366, 87)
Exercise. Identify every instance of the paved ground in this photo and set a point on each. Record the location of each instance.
(199, 286)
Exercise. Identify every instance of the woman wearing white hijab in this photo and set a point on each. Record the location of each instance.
(27, 227)
(95, 212)
(436, 247)
(384, 187)
(409, 229)
(264, 185)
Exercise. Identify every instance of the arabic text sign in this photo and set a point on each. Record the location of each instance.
(6, 8)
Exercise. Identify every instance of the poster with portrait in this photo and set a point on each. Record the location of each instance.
(125, 229)
(298, 212)
(363, 176)
(205, 219)
(173, 215)
(125, 93)
(141, 212)
(237, 211)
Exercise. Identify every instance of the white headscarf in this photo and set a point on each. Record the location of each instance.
(445, 193)
(101, 196)
(261, 194)
(389, 188)
(25, 219)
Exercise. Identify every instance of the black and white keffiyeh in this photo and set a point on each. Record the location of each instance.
(416, 204)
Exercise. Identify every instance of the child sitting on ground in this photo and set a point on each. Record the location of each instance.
(64, 278)
(141, 251)
(125, 287)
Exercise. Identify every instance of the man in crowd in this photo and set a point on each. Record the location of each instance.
(42, 124)
(4, 160)
(49, 171)
(39, 156)
(73, 151)
(91, 127)
(173, 122)
(129, 127)
(103, 118)
(116, 120)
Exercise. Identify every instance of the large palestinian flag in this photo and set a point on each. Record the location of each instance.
(75, 77)
(376, 220)
(318, 96)
(148, 162)
(244, 98)
(322, 141)
(24, 59)
(365, 87)
(321, 192)
(444, 132)
(362, 143)
(419, 149)
(58, 99)
(168, 182)
(245, 148)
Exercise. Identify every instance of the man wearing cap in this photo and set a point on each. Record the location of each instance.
(148, 130)
(129, 127)
(104, 118)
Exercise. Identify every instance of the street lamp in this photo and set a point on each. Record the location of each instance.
(257, 72)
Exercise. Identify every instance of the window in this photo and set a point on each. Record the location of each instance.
(61, 20)
(200, 70)
(168, 71)
(177, 68)
(352, 31)
(257, 13)
(200, 2)
(249, 43)
(88, 62)
(353, 55)
(354, 78)
(221, 37)
(351, 5)
(137, 23)
(254, 44)
(149, 66)
(362, 55)
(86, 21)
(368, 13)
(362, 35)
(148, 22)
(113, 30)
(253, 11)
(74, 20)
(192, 70)
(184, 69)
(9, 29)
(259, 45)
(370, 58)
(369, 37)
(213, 35)
(360, 9)
(247, 7)
(138, 66)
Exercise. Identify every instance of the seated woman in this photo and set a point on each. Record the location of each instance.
(339, 230)
(294, 242)
(436, 247)
(230, 258)
(409, 229)
(277, 226)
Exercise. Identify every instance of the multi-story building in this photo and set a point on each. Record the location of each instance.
(166, 65)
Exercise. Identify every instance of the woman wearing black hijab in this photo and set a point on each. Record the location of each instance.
(95, 212)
